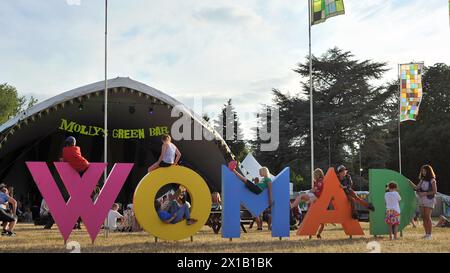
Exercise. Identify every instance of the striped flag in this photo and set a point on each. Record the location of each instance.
(321, 10)
(411, 90)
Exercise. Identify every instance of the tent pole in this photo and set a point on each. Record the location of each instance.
(106, 104)
(311, 95)
(399, 122)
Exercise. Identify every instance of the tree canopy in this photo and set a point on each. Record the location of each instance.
(12, 103)
(229, 125)
(356, 120)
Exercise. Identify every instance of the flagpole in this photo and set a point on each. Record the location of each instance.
(311, 95)
(399, 121)
(106, 104)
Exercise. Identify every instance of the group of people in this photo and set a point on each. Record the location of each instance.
(310, 197)
(117, 222)
(426, 195)
(176, 208)
(8, 212)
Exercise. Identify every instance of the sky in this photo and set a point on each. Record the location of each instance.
(208, 49)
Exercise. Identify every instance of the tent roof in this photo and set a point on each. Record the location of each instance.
(96, 87)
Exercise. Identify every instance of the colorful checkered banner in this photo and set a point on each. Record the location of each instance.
(323, 9)
(410, 90)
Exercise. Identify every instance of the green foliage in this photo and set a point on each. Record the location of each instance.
(11, 103)
(426, 141)
(360, 119)
(348, 110)
(235, 138)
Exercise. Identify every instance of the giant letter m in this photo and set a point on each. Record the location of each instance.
(235, 193)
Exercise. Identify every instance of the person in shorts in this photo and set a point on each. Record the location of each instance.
(170, 155)
(426, 190)
(7, 216)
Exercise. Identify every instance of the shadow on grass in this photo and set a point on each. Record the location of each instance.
(222, 245)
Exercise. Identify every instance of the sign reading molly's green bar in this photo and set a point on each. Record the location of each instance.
(90, 130)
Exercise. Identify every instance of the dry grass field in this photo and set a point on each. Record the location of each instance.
(32, 238)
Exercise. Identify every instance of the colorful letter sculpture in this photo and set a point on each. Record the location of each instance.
(234, 193)
(319, 213)
(378, 179)
(80, 189)
(145, 196)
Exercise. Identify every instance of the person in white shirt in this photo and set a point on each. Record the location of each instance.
(170, 155)
(113, 216)
(392, 199)
(45, 215)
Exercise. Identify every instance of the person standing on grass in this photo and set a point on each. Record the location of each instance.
(7, 216)
(170, 155)
(392, 199)
(426, 190)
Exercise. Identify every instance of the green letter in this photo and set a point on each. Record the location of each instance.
(66, 127)
(378, 179)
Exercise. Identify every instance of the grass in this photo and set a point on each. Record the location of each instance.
(34, 239)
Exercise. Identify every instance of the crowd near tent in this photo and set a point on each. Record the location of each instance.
(137, 117)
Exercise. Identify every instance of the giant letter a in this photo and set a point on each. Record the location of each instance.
(319, 213)
(80, 189)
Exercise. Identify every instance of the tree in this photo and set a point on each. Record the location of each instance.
(348, 110)
(11, 103)
(425, 141)
(229, 126)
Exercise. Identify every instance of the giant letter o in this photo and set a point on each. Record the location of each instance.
(145, 195)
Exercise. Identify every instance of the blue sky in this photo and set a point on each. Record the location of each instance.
(214, 49)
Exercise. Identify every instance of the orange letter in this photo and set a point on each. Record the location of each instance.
(318, 212)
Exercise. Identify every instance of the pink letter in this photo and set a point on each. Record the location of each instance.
(80, 203)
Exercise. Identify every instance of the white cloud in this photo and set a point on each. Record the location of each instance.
(215, 49)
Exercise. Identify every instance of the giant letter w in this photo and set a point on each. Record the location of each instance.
(80, 189)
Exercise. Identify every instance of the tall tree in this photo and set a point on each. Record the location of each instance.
(229, 125)
(12, 103)
(425, 141)
(347, 108)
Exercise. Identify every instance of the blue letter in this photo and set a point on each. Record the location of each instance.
(234, 193)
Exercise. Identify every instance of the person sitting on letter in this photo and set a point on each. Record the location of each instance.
(178, 211)
(72, 155)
